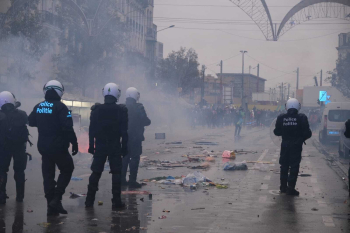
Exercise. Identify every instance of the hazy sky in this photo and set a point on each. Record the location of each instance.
(295, 49)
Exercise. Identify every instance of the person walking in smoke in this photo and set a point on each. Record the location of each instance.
(109, 127)
(137, 121)
(295, 130)
(55, 127)
(13, 141)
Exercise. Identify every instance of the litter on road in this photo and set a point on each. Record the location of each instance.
(235, 166)
(76, 178)
(74, 195)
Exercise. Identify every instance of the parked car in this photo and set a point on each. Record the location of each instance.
(332, 121)
(344, 144)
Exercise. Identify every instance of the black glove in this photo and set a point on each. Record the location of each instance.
(75, 149)
(91, 150)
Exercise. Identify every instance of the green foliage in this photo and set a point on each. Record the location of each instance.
(179, 70)
(89, 54)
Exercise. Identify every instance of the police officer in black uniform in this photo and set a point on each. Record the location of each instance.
(13, 141)
(108, 138)
(55, 127)
(137, 121)
(294, 129)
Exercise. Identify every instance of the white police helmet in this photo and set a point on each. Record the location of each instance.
(55, 85)
(293, 103)
(111, 89)
(7, 97)
(132, 92)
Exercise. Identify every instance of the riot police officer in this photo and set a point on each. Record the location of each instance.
(294, 129)
(347, 135)
(108, 138)
(14, 137)
(55, 127)
(137, 121)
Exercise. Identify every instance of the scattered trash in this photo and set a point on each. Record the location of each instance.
(166, 211)
(44, 224)
(150, 196)
(143, 228)
(206, 143)
(94, 219)
(305, 175)
(74, 195)
(160, 135)
(198, 208)
(261, 167)
(210, 159)
(76, 178)
(173, 143)
(205, 165)
(30, 211)
(235, 166)
(314, 209)
(135, 192)
(343, 178)
(162, 217)
(194, 178)
(142, 199)
(100, 203)
(167, 150)
(229, 154)
(219, 186)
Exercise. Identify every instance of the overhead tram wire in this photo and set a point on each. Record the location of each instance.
(217, 63)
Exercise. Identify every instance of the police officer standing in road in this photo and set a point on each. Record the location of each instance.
(55, 127)
(108, 138)
(137, 121)
(294, 129)
(13, 141)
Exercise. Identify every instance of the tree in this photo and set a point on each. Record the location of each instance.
(179, 70)
(23, 41)
(89, 54)
(340, 77)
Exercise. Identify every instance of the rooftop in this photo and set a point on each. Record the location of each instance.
(236, 75)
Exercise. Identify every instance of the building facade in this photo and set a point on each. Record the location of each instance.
(344, 45)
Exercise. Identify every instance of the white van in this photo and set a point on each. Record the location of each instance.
(333, 119)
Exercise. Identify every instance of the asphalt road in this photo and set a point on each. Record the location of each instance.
(250, 204)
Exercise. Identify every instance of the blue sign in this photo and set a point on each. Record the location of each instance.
(323, 96)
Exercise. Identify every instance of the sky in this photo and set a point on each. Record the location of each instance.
(310, 46)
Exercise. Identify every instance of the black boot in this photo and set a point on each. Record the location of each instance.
(135, 185)
(56, 204)
(124, 182)
(292, 192)
(51, 212)
(117, 203)
(283, 187)
(90, 197)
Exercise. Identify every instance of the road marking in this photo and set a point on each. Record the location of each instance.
(328, 221)
(263, 199)
(267, 177)
(262, 156)
(264, 186)
(313, 180)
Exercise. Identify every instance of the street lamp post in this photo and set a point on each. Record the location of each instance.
(242, 96)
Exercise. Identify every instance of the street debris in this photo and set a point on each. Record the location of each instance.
(210, 159)
(173, 143)
(162, 217)
(166, 211)
(229, 154)
(198, 208)
(74, 195)
(44, 224)
(261, 167)
(207, 143)
(314, 209)
(30, 211)
(194, 178)
(220, 186)
(76, 178)
(205, 165)
(304, 175)
(235, 166)
(135, 192)
(100, 203)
